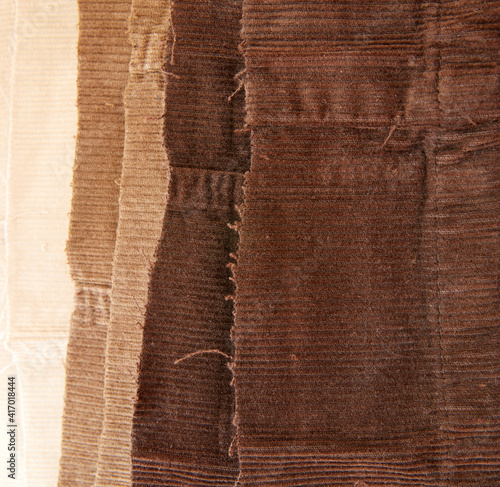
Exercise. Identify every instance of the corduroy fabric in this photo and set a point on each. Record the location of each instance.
(143, 191)
(7, 24)
(39, 293)
(367, 300)
(103, 57)
(182, 430)
(6, 59)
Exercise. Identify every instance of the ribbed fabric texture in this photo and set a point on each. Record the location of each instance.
(7, 25)
(37, 129)
(103, 57)
(143, 191)
(366, 329)
(183, 422)
(284, 239)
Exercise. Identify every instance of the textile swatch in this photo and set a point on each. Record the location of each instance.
(367, 300)
(103, 60)
(6, 60)
(143, 191)
(42, 120)
(183, 421)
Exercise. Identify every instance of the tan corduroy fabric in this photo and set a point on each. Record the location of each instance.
(40, 293)
(103, 56)
(142, 206)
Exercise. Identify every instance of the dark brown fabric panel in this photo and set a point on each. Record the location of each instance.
(469, 257)
(333, 293)
(183, 422)
(468, 245)
(204, 99)
(185, 409)
(366, 329)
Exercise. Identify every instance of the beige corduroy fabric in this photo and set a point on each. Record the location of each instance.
(142, 206)
(103, 57)
(7, 18)
(6, 57)
(39, 289)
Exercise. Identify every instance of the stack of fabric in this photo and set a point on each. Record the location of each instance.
(285, 244)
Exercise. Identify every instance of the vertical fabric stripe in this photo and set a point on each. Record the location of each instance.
(103, 57)
(183, 422)
(143, 192)
(39, 106)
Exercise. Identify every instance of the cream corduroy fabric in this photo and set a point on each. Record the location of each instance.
(7, 9)
(39, 289)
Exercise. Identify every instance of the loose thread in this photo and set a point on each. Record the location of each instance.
(241, 82)
(234, 226)
(172, 60)
(169, 73)
(146, 259)
(136, 303)
(393, 129)
(202, 352)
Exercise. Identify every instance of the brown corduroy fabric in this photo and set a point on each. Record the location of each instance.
(183, 428)
(367, 301)
(103, 57)
(142, 206)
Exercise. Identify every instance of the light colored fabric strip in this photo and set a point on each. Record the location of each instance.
(39, 289)
(142, 207)
(7, 22)
(6, 58)
(103, 57)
